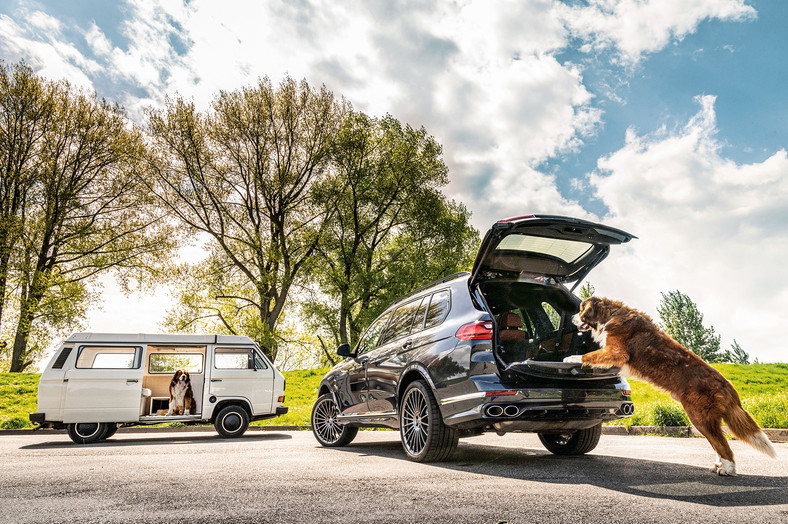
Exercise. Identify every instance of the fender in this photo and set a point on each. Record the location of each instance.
(421, 370)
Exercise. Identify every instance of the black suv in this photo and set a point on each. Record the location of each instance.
(483, 351)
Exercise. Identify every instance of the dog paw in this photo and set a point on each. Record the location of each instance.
(186, 412)
(574, 359)
(724, 468)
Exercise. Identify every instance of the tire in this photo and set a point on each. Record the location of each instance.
(325, 427)
(87, 432)
(425, 438)
(231, 421)
(112, 428)
(577, 443)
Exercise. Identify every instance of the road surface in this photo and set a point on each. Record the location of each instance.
(268, 476)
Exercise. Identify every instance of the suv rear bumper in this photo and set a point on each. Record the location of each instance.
(504, 407)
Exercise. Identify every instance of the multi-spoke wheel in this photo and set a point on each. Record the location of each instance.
(577, 443)
(425, 437)
(325, 427)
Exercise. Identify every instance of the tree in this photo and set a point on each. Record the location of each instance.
(85, 213)
(244, 174)
(681, 319)
(392, 228)
(587, 290)
(736, 354)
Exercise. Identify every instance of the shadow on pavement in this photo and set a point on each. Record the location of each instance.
(639, 477)
(126, 440)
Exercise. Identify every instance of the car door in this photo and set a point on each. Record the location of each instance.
(385, 363)
(242, 372)
(105, 385)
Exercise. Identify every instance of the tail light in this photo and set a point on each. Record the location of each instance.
(475, 331)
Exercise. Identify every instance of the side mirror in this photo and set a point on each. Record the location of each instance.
(343, 350)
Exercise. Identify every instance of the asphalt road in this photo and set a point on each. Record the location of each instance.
(288, 477)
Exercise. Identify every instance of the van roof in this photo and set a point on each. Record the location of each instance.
(148, 338)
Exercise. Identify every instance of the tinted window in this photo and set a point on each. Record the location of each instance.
(418, 321)
(439, 308)
(106, 358)
(170, 362)
(370, 337)
(552, 314)
(401, 322)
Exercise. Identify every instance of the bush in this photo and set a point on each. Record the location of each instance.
(669, 415)
(15, 423)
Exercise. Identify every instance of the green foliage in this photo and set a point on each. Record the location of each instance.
(669, 415)
(681, 319)
(736, 354)
(587, 290)
(18, 398)
(15, 423)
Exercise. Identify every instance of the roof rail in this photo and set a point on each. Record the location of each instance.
(433, 283)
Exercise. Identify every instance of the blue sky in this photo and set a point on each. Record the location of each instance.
(667, 118)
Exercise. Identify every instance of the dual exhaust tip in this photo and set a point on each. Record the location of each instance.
(496, 410)
(628, 409)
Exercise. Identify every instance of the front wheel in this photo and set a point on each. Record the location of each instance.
(425, 438)
(87, 432)
(231, 421)
(577, 443)
(325, 427)
(112, 428)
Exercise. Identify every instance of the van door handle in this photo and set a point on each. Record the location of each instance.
(216, 380)
(132, 381)
(407, 344)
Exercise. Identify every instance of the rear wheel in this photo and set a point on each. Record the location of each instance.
(325, 427)
(425, 438)
(231, 421)
(112, 427)
(87, 432)
(577, 443)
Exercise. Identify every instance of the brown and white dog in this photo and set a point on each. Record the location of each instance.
(631, 341)
(181, 395)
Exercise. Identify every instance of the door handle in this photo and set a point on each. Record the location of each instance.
(407, 344)
(216, 380)
(132, 381)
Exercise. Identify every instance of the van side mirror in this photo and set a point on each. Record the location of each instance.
(343, 350)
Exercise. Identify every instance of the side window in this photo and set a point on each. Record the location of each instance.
(401, 322)
(61, 358)
(107, 358)
(418, 321)
(439, 308)
(170, 362)
(552, 314)
(234, 358)
(370, 337)
(259, 361)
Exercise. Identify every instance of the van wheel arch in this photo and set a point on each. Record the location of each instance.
(232, 402)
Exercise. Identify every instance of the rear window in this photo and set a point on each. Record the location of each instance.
(439, 308)
(107, 358)
(568, 251)
(61, 358)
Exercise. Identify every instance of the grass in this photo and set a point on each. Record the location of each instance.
(763, 389)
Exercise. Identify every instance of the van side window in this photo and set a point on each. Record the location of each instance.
(171, 362)
(259, 361)
(233, 358)
(61, 358)
(401, 322)
(439, 308)
(370, 337)
(107, 358)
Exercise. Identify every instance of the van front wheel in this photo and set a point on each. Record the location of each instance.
(231, 422)
(87, 432)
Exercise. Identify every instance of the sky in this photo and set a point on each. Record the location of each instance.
(665, 118)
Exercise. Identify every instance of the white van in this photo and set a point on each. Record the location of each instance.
(97, 382)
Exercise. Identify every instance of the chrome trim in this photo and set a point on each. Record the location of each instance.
(460, 398)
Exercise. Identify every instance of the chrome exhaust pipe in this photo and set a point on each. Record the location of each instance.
(628, 409)
(511, 411)
(494, 411)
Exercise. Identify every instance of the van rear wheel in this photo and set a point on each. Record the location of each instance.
(87, 432)
(231, 422)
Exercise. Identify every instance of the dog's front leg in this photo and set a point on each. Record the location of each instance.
(612, 355)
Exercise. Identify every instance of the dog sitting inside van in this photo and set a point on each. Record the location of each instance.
(181, 395)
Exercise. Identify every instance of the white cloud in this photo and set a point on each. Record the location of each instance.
(638, 27)
(712, 228)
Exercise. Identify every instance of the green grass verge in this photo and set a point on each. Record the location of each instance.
(763, 389)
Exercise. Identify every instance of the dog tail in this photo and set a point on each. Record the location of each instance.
(744, 428)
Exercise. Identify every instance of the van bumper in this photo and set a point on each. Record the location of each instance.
(37, 418)
(281, 410)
